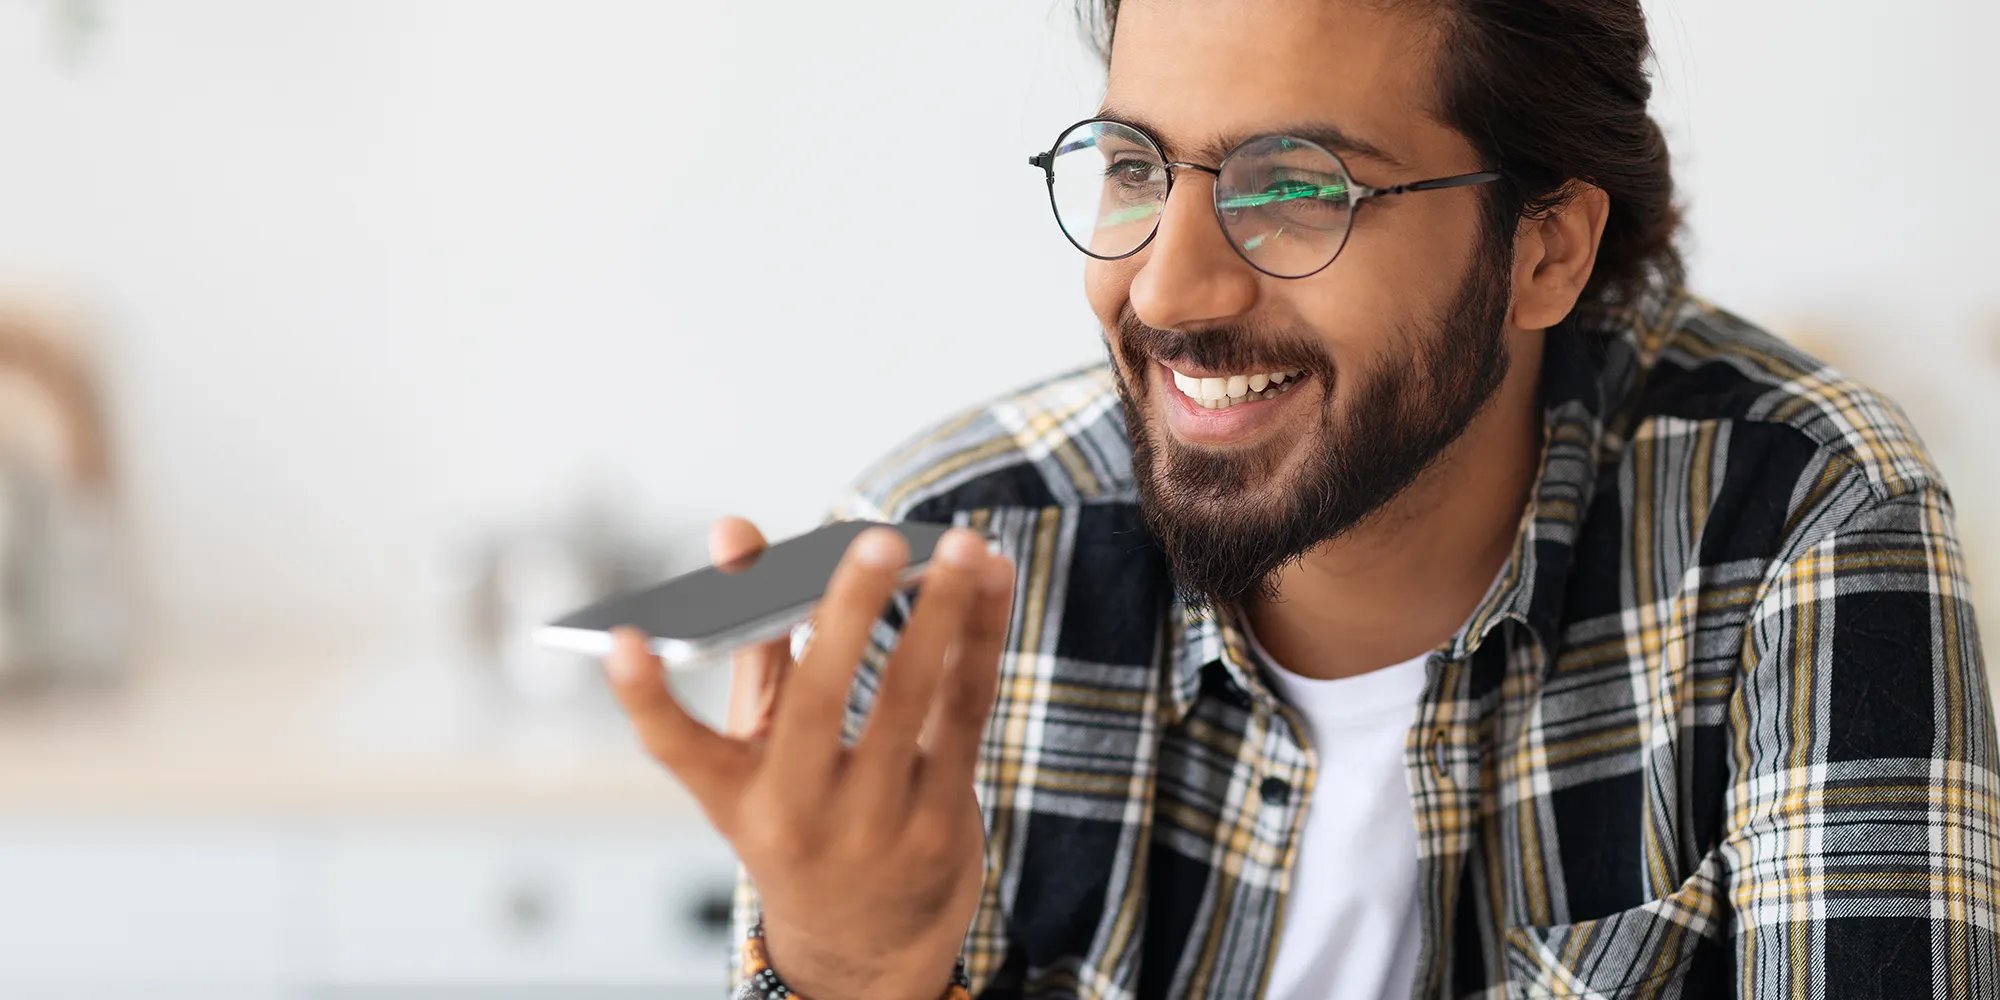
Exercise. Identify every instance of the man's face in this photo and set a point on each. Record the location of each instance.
(1401, 338)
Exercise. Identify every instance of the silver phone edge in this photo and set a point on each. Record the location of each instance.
(681, 654)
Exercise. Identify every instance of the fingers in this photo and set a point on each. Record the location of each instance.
(806, 723)
(710, 764)
(751, 695)
(757, 671)
(903, 695)
(961, 708)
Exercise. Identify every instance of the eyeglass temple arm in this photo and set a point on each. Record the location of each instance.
(1456, 180)
(1046, 158)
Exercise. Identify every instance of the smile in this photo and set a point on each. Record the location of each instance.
(1219, 410)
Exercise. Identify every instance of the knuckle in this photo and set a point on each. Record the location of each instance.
(794, 838)
(860, 838)
(779, 836)
(927, 842)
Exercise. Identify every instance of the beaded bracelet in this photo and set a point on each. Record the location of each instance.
(761, 982)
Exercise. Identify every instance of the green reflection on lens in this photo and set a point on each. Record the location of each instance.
(1122, 216)
(1286, 191)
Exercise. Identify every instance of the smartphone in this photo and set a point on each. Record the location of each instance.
(695, 617)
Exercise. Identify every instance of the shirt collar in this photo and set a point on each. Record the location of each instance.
(1589, 363)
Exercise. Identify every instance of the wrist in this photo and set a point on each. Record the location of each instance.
(930, 976)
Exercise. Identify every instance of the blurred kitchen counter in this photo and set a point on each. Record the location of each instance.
(305, 735)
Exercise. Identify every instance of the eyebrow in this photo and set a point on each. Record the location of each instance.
(1212, 148)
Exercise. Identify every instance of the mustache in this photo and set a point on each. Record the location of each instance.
(1223, 348)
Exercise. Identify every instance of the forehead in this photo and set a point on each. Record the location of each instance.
(1203, 70)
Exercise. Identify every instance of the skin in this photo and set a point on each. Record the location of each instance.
(1294, 525)
(869, 858)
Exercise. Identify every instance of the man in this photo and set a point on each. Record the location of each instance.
(1544, 631)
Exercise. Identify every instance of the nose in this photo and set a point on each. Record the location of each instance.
(1189, 276)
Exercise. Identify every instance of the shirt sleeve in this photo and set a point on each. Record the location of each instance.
(1863, 821)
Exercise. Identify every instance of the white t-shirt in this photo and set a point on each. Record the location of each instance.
(1350, 927)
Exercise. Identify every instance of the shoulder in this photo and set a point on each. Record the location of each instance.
(1693, 368)
(1058, 441)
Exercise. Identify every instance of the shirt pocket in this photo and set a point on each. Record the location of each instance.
(1638, 954)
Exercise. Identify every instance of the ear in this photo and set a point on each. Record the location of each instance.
(1553, 256)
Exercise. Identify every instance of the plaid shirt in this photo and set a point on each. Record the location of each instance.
(1718, 727)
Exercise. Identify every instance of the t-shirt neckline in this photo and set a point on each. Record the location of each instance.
(1393, 688)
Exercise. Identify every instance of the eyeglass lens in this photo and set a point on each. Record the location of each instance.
(1284, 203)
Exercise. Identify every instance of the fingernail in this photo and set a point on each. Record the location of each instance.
(877, 547)
(621, 663)
(957, 548)
(614, 666)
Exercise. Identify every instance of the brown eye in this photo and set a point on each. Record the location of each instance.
(1132, 172)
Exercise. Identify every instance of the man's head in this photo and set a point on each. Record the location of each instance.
(1405, 337)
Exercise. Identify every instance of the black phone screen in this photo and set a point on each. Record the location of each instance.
(716, 599)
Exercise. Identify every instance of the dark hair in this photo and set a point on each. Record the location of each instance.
(1548, 90)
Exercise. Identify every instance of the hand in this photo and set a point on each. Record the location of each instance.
(868, 859)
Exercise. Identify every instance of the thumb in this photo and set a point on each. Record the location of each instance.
(708, 763)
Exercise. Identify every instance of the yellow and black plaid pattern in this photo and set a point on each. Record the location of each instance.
(1718, 728)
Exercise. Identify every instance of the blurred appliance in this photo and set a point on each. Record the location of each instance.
(63, 613)
(518, 579)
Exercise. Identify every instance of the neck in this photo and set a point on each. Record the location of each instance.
(1401, 584)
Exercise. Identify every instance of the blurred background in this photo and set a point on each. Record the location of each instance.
(340, 343)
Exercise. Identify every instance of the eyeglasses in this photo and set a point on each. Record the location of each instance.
(1286, 203)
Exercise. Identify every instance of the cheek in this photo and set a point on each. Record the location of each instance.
(1107, 285)
(1360, 314)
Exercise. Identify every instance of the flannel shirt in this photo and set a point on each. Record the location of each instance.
(1719, 726)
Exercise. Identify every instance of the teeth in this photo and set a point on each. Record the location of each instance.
(1217, 392)
(1226, 403)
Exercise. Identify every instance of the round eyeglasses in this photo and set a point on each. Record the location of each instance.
(1286, 203)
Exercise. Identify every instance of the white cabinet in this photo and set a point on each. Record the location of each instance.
(129, 906)
(441, 905)
(407, 910)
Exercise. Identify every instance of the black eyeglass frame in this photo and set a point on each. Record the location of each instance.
(1358, 192)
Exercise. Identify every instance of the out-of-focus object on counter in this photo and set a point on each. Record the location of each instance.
(64, 607)
(518, 579)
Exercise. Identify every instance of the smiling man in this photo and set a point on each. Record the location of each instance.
(1427, 596)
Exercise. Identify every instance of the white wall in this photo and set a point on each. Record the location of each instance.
(379, 275)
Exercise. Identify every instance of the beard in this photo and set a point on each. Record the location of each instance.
(1223, 518)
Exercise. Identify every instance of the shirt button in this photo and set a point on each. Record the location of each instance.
(1275, 791)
